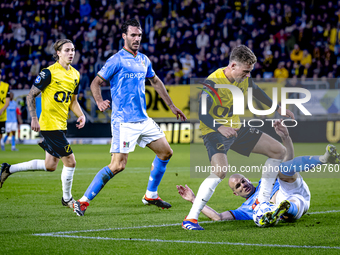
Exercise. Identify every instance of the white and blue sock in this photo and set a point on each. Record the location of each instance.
(293, 209)
(99, 181)
(13, 141)
(299, 164)
(156, 175)
(5, 139)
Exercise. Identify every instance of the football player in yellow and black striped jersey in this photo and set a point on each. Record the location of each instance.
(4, 102)
(219, 139)
(58, 85)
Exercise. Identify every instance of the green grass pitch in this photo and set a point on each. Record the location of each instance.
(117, 222)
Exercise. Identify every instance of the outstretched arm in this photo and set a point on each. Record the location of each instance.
(187, 194)
(161, 90)
(97, 94)
(282, 131)
(34, 92)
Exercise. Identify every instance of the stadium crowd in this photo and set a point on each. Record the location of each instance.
(183, 39)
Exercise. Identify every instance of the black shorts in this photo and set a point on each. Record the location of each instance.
(2, 127)
(243, 144)
(55, 143)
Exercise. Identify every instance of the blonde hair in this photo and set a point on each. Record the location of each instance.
(58, 45)
(243, 55)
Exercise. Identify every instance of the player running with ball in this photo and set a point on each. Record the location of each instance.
(126, 72)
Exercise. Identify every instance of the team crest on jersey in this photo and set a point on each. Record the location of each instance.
(143, 63)
(128, 62)
(67, 148)
(126, 144)
(220, 146)
(38, 80)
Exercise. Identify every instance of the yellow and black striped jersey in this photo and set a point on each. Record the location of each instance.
(224, 110)
(4, 93)
(57, 85)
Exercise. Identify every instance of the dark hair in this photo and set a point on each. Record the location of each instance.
(58, 45)
(130, 22)
(243, 54)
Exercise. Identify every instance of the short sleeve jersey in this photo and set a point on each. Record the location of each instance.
(126, 73)
(245, 211)
(224, 110)
(12, 111)
(4, 93)
(57, 85)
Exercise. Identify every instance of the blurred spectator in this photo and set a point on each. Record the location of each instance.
(281, 73)
(296, 55)
(202, 40)
(306, 58)
(35, 68)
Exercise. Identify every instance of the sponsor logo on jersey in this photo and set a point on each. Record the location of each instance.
(134, 75)
(126, 144)
(42, 75)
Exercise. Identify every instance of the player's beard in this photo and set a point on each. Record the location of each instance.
(131, 46)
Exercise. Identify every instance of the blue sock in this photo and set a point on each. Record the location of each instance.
(13, 140)
(156, 175)
(5, 139)
(99, 181)
(299, 164)
(293, 209)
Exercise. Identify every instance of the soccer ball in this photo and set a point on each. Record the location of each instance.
(260, 210)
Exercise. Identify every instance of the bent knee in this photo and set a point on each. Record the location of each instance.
(116, 168)
(166, 154)
(278, 152)
(51, 168)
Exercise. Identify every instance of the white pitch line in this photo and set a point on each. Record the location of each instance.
(148, 226)
(333, 211)
(195, 242)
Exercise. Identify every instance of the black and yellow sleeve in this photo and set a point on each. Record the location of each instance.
(43, 79)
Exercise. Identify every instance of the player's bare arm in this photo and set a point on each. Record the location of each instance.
(97, 94)
(34, 92)
(161, 90)
(288, 113)
(75, 108)
(187, 194)
(282, 131)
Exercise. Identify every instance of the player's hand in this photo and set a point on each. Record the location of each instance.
(288, 113)
(281, 130)
(178, 112)
(103, 105)
(186, 193)
(35, 124)
(81, 122)
(228, 131)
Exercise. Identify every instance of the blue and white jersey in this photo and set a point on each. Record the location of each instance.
(126, 73)
(245, 211)
(12, 111)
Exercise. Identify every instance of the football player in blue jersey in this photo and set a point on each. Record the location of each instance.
(126, 72)
(289, 186)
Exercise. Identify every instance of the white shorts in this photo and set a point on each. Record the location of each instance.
(125, 135)
(11, 126)
(297, 191)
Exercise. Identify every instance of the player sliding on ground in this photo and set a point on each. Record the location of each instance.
(289, 186)
(126, 72)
